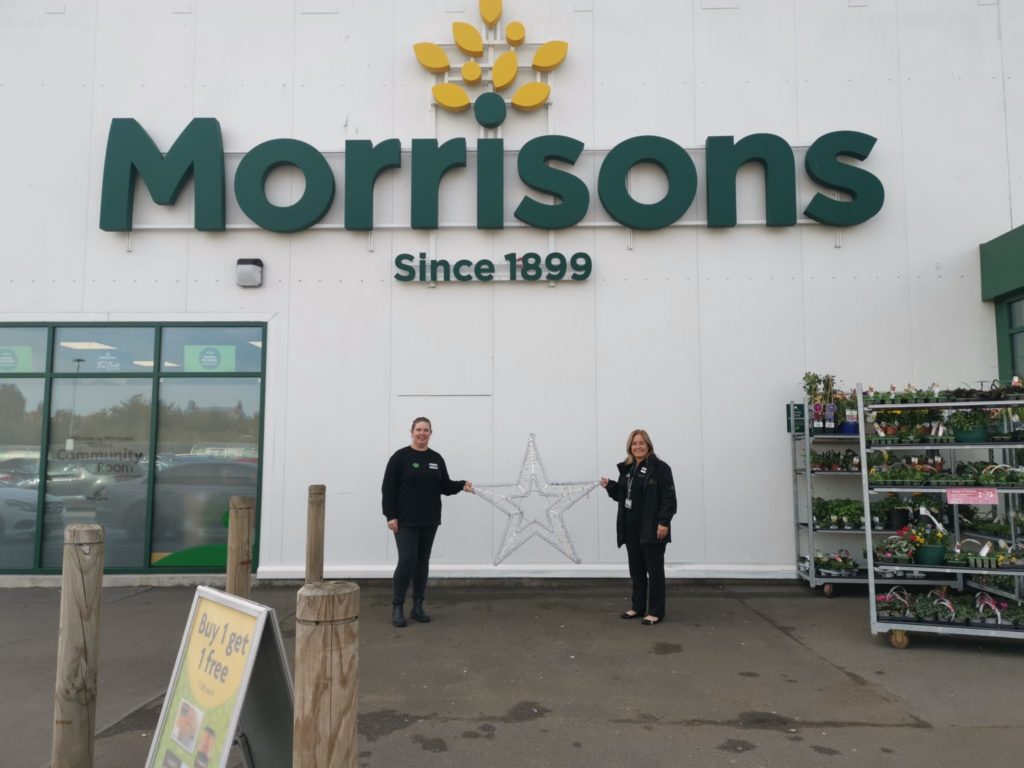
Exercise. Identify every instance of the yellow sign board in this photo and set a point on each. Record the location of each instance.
(206, 700)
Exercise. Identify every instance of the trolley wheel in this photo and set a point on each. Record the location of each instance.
(898, 638)
(829, 590)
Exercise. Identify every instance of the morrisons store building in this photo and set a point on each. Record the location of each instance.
(246, 244)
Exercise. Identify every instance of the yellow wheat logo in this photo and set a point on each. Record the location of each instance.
(482, 68)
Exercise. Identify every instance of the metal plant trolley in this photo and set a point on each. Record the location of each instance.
(961, 575)
(805, 527)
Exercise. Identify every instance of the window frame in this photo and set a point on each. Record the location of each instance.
(154, 375)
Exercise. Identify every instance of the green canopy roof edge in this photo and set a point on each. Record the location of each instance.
(1002, 265)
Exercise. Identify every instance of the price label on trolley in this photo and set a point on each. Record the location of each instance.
(972, 496)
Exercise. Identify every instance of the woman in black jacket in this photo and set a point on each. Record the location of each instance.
(646, 495)
(414, 481)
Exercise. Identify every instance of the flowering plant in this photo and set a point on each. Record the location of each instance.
(894, 547)
(895, 602)
(923, 535)
(989, 608)
(841, 561)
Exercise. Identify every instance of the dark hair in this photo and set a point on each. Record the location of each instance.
(418, 419)
(629, 444)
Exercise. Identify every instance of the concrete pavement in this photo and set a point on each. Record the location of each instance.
(546, 674)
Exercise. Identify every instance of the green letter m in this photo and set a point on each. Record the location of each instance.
(198, 151)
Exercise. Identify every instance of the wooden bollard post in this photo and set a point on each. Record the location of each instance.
(326, 675)
(241, 520)
(74, 700)
(315, 534)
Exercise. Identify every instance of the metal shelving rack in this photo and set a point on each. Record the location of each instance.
(896, 629)
(801, 443)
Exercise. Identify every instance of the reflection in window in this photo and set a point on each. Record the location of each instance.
(211, 350)
(22, 350)
(103, 350)
(1017, 314)
(97, 461)
(1017, 341)
(208, 434)
(21, 421)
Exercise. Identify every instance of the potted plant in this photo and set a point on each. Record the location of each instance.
(928, 541)
(846, 412)
(839, 563)
(965, 609)
(970, 425)
(1015, 614)
(990, 610)
(819, 389)
(894, 604)
(925, 608)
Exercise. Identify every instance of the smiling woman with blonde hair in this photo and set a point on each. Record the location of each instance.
(646, 494)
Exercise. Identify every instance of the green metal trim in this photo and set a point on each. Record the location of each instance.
(44, 452)
(259, 463)
(154, 420)
(1004, 334)
(1002, 265)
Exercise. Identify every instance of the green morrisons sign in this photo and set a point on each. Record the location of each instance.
(198, 153)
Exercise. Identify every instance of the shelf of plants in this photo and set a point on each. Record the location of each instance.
(934, 458)
(826, 456)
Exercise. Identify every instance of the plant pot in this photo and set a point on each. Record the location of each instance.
(899, 517)
(931, 554)
(847, 428)
(976, 435)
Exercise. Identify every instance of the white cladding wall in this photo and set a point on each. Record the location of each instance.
(698, 335)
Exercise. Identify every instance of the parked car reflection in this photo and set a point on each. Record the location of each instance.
(18, 511)
(190, 502)
(19, 471)
(80, 483)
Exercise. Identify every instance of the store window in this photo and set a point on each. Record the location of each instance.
(21, 421)
(1015, 312)
(209, 439)
(103, 350)
(94, 429)
(99, 438)
(211, 350)
(22, 350)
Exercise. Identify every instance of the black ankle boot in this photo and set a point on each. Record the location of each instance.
(398, 614)
(418, 613)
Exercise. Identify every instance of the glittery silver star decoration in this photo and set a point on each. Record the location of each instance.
(533, 480)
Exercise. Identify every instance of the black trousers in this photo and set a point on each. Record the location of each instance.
(414, 545)
(647, 570)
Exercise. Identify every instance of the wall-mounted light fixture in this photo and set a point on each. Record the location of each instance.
(249, 273)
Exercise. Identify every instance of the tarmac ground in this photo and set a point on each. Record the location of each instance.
(546, 674)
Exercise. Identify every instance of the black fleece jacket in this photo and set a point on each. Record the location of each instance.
(413, 484)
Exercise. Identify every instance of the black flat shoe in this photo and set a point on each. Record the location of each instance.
(398, 615)
(628, 615)
(650, 622)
